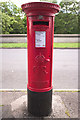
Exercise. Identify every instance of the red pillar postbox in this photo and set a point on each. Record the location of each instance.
(40, 33)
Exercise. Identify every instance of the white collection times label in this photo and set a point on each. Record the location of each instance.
(40, 39)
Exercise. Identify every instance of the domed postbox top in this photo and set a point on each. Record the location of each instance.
(40, 8)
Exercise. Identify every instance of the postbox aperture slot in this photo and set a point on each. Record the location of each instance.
(41, 23)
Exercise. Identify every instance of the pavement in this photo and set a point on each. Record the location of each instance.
(14, 68)
(64, 105)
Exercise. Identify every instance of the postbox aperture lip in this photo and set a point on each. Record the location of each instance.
(38, 22)
(32, 8)
(41, 25)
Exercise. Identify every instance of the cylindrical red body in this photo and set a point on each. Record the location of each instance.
(40, 49)
(40, 33)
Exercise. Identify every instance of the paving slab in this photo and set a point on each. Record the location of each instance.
(14, 105)
(19, 108)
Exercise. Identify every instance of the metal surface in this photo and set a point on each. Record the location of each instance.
(40, 32)
(39, 103)
(40, 8)
(40, 26)
(40, 58)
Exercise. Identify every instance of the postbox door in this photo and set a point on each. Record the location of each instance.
(40, 45)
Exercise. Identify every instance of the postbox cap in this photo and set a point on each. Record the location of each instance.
(40, 8)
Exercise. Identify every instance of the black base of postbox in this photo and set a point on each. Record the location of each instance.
(40, 103)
